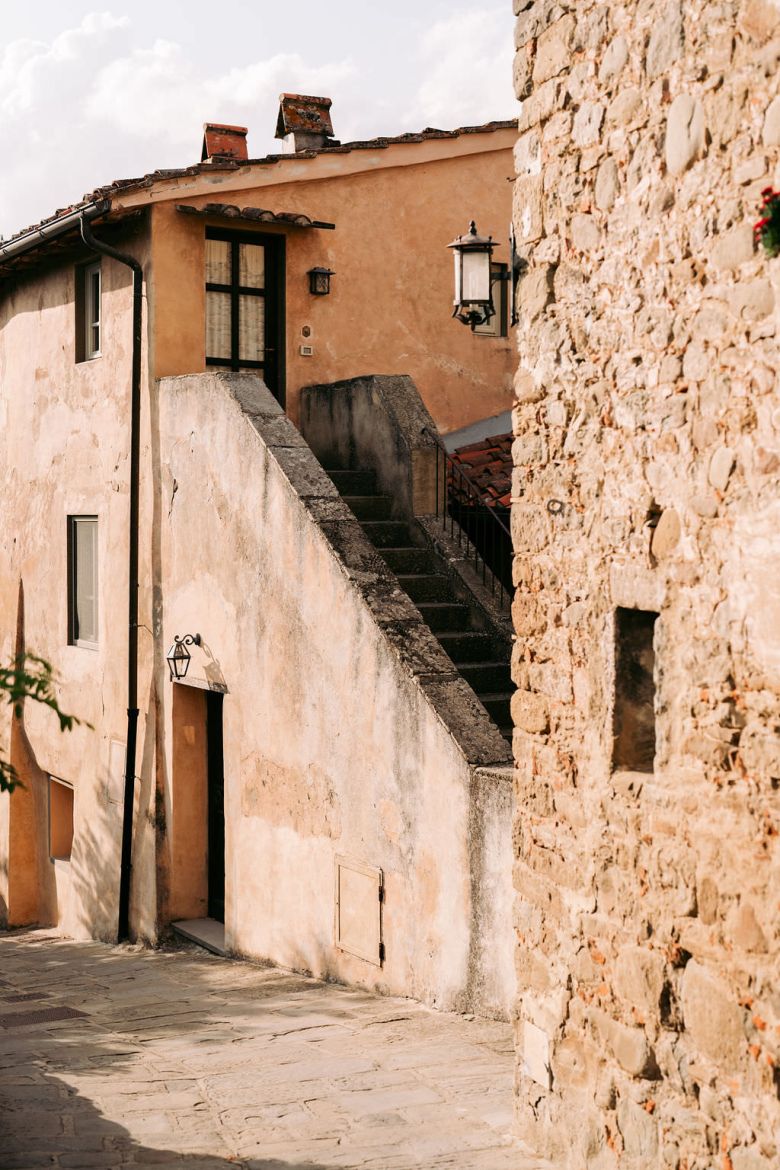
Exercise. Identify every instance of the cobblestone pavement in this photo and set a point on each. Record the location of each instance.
(180, 1058)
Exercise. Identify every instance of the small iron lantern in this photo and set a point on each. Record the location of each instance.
(473, 293)
(319, 281)
(178, 657)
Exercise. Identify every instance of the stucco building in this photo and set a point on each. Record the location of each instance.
(325, 778)
(646, 520)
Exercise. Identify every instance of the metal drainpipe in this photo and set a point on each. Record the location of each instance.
(132, 607)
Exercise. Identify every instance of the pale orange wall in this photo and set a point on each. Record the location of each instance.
(391, 302)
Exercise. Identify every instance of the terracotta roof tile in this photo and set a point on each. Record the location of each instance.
(224, 164)
(488, 465)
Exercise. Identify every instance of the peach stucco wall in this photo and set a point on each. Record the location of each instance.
(390, 307)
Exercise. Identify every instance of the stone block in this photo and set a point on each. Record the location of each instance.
(639, 1130)
(760, 19)
(536, 1054)
(535, 291)
(666, 40)
(553, 49)
(587, 123)
(628, 1045)
(754, 299)
(585, 234)
(530, 712)
(744, 928)
(624, 106)
(606, 188)
(734, 247)
(667, 534)
(721, 467)
(712, 1017)
(614, 60)
(685, 133)
(527, 209)
(772, 124)
(639, 979)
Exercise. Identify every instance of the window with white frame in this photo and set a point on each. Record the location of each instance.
(89, 325)
(83, 581)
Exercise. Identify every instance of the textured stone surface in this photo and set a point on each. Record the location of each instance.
(184, 1059)
(648, 477)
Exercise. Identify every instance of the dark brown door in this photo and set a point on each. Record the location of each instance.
(216, 807)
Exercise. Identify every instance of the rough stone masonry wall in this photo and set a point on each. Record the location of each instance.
(647, 474)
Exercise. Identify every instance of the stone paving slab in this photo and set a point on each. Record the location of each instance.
(186, 1059)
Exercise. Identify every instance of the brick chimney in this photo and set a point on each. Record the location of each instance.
(223, 142)
(304, 122)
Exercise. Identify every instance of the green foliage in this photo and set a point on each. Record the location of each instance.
(28, 677)
(767, 230)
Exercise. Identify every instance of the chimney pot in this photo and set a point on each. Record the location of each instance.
(304, 122)
(221, 141)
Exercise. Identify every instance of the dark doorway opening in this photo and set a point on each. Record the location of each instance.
(216, 807)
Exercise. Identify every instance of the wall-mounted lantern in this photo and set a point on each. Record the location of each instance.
(473, 296)
(319, 281)
(178, 657)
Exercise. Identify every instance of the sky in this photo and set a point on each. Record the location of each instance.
(89, 94)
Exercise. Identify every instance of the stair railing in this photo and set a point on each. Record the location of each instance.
(478, 529)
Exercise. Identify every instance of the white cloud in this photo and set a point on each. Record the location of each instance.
(158, 91)
(467, 61)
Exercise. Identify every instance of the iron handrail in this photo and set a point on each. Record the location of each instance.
(490, 541)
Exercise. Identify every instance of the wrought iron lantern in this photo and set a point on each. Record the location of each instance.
(178, 657)
(319, 281)
(473, 294)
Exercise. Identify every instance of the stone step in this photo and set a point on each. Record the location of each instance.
(426, 586)
(387, 533)
(370, 507)
(497, 707)
(465, 647)
(488, 676)
(410, 560)
(354, 483)
(445, 616)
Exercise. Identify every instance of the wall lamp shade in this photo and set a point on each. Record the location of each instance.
(473, 296)
(178, 657)
(319, 281)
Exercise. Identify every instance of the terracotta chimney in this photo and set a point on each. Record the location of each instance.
(223, 142)
(304, 122)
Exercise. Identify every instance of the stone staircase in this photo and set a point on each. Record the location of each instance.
(456, 621)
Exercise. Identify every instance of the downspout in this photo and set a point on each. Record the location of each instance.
(132, 606)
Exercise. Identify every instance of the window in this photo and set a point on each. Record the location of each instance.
(235, 301)
(83, 581)
(88, 311)
(60, 819)
(634, 717)
(499, 283)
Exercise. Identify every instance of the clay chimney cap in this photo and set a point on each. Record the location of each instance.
(299, 113)
(220, 141)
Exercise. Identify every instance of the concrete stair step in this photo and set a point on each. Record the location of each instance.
(387, 533)
(370, 507)
(487, 677)
(354, 483)
(497, 707)
(445, 616)
(465, 647)
(426, 586)
(410, 560)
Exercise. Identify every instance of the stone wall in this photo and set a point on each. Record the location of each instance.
(647, 466)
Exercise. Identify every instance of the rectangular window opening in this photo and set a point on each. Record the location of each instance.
(83, 581)
(60, 819)
(634, 711)
(89, 290)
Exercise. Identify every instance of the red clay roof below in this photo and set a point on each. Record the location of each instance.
(488, 465)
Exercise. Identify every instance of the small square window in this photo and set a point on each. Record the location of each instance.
(499, 284)
(60, 819)
(89, 288)
(83, 581)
